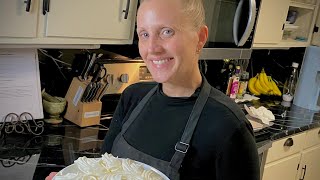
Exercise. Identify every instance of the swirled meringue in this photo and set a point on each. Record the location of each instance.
(107, 167)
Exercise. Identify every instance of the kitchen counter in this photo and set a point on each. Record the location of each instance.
(26, 156)
(289, 120)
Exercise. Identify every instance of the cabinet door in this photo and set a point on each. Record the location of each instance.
(285, 169)
(16, 21)
(90, 19)
(272, 16)
(316, 35)
(310, 164)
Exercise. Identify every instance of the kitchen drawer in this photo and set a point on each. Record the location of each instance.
(286, 147)
(313, 138)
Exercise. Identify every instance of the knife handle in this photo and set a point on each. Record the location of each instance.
(86, 92)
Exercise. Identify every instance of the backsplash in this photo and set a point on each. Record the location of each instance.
(276, 63)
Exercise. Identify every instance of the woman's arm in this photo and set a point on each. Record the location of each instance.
(239, 157)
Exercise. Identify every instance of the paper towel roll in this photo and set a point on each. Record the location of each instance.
(307, 92)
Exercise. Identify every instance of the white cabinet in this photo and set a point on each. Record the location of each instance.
(273, 30)
(90, 19)
(272, 15)
(284, 169)
(294, 158)
(309, 168)
(16, 21)
(69, 22)
(283, 158)
(316, 35)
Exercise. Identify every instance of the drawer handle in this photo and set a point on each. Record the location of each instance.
(289, 142)
(319, 133)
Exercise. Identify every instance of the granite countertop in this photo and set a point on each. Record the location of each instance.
(289, 120)
(27, 156)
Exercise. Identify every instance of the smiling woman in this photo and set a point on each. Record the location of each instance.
(170, 43)
(180, 125)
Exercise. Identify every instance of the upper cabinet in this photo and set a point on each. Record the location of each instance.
(285, 23)
(316, 34)
(91, 19)
(67, 22)
(270, 21)
(18, 19)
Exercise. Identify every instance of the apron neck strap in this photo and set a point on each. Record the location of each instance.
(183, 145)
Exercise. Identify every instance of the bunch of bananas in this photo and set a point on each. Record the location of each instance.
(263, 84)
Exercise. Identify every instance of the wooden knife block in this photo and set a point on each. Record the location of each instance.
(81, 113)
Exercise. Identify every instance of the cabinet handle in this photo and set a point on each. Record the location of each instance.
(315, 30)
(45, 6)
(288, 142)
(126, 11)
(28, 2)
(304, 172)
(319, 133)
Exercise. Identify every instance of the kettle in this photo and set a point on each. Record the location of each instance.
(307, 94)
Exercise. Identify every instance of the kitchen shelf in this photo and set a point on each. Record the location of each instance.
(283, 44)
(302, 5)
(290, 27)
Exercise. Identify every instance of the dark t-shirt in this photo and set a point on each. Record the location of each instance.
(222, 146)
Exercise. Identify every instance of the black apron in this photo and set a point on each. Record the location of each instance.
(122, 149)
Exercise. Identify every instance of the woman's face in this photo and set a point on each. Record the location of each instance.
(167, 41)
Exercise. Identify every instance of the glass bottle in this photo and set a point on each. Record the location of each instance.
(290, 84)
(243, 83)
(228, 79)
(235, 83)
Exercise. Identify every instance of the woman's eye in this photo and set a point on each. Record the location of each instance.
(168, 32)
(143, 35)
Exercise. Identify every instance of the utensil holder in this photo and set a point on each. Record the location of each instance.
(81, 113)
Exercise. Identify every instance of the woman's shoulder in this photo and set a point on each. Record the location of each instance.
(226, 108)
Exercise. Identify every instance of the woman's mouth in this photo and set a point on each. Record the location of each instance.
(161, 61)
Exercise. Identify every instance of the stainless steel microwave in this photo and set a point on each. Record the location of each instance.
(231, 26)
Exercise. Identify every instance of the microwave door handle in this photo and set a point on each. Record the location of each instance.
(250, 24)
(236, 22)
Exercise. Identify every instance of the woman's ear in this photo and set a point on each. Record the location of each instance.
(203, 36)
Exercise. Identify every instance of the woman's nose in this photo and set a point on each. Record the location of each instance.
(155, 45)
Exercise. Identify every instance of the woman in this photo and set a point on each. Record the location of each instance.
(181, 125)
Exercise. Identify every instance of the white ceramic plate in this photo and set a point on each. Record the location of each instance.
(73, 169)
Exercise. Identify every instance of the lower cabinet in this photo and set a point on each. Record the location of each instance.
(284, 169)
(309, 168)
(294, 158)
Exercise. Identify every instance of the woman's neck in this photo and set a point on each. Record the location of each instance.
(184, 87)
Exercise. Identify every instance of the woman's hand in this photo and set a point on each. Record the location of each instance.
(51, 175)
